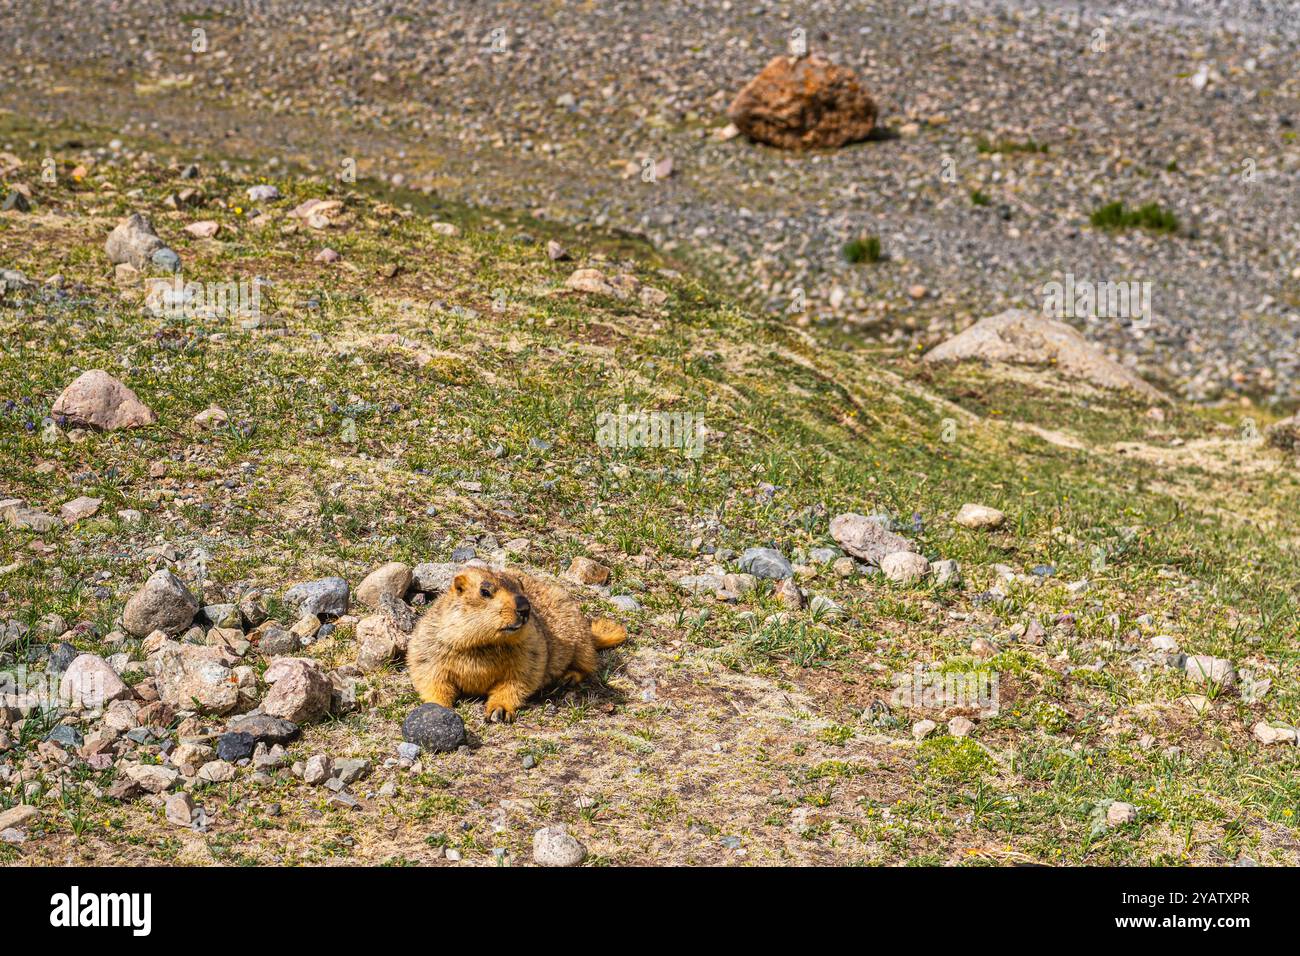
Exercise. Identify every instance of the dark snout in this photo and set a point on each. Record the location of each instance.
(522, 607)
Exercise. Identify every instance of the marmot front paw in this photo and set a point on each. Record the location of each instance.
(498, 712)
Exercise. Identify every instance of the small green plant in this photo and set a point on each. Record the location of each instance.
(1009, 147)
(1050, 717)
(956, 758)
(979, 198)
(836, 735)
(835, 769)
(1152, 216)
(863, 250)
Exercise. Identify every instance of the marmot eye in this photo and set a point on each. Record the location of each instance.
(485, 590)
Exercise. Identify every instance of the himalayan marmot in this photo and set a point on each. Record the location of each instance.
(504, 636)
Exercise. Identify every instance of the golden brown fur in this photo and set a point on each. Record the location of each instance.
(503, 636)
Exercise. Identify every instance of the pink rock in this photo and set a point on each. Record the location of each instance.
(98, 400)
(300, 690)
(89, 683)
(589, 280)
(327, 255)
(205, 229)
(194, 677)
(79, 508)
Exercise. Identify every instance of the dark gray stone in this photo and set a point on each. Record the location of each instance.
(65, 736)
(264, 728)
(61, 656)
(234, 746)
(434, 728)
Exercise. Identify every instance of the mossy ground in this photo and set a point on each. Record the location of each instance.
(345, 449)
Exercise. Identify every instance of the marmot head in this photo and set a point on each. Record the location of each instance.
(488, 605)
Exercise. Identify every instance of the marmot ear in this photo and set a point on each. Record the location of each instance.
(459, 582)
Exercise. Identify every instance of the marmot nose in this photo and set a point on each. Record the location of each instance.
(522, 605)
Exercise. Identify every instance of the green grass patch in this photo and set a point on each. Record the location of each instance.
(1152, 216)
(866, 250)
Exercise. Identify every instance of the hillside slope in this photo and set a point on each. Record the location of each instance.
(440, 388)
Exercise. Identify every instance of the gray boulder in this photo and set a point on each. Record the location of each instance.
(163, 604)
(433, 578)
(766, 563)
(554, 846)
(325, 598)
(133, 241)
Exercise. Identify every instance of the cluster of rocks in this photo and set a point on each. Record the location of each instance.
(336, 775)
(621, 286)
(201, 665)
(201, 711)
(1211, 679)
(867, 545)
(958, 727)
(383, 635)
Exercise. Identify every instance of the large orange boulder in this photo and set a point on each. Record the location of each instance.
(804, 103)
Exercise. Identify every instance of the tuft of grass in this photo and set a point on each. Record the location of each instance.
(956, 759)
(1009, 147)
(863, 250)
(979, 198)
(1152, 216)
